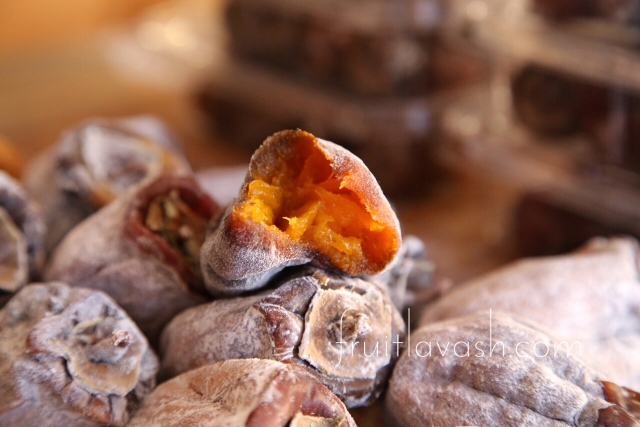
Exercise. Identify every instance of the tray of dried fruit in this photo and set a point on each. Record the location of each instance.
(592, 47)
(560, 119)
(590, 183)
(384, 49)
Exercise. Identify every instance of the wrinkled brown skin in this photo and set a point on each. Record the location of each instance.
(240, 256)
(114, 252)
(70, 357)
(409, 272)
(499, 390)
(26, 215)
(69, 188)
(591, 296)
(248, 393)
(298, 322)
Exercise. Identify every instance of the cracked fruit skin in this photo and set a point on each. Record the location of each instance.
(305, 200)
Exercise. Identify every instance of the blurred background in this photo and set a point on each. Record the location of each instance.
(498, 128)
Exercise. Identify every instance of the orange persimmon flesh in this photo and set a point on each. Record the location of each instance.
(310, 206)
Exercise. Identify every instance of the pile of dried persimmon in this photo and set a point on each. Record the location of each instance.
(132, 297)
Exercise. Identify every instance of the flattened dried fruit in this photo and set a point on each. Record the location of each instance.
(243, 393)
(70, 357)
(93, 164)
(143, 250)
(344, 331)
(499, 371)
(22, 233)
(591, 296)
(304, 200)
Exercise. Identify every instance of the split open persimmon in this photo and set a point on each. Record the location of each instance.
(306, 199)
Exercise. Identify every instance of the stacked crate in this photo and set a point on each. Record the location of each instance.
(564, 121)
(364, 74)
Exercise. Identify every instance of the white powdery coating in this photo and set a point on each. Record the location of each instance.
(60, 215)
(233, 264)
(98, 254)
(486, 389)
(351, 359)
(591, 297)
(13, 255)
(271, 325)
(66, 185)
(27, 216)
(236, 261)
(224, 394)
(48, 374)
(209, 333)
(118, 152)
(268, 325)
(220, 395)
